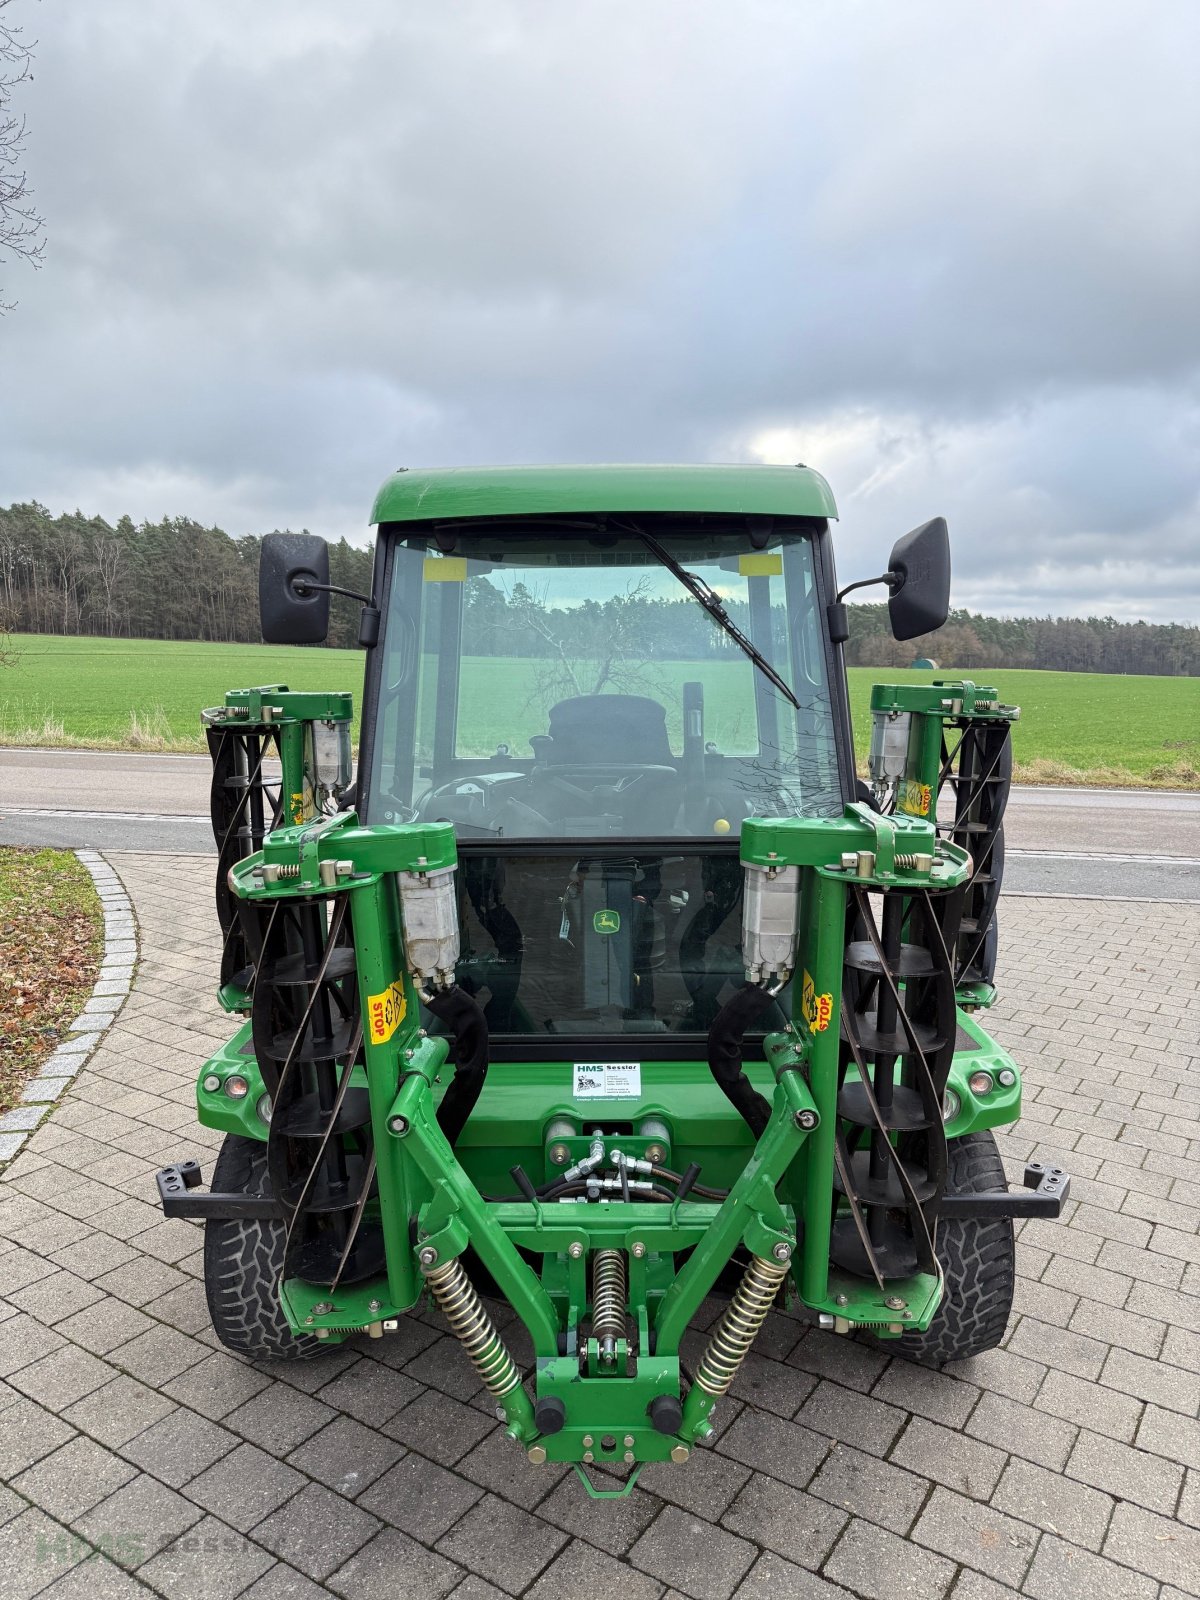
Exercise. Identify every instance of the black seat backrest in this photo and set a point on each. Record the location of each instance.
(607, 729)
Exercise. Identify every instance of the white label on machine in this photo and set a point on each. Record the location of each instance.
(608, 1080)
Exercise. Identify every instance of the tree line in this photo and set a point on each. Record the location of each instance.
(176, 579)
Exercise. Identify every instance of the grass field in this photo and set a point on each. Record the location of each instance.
(146, 694)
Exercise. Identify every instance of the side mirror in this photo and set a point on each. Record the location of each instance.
(919, 575)
(291, 608)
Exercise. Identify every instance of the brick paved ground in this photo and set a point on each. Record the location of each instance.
(1066, 1464)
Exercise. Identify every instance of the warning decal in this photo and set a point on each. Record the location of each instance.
(915, 799)
(816, 1009)
(385, 1012)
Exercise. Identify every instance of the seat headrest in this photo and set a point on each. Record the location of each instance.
(609, 728)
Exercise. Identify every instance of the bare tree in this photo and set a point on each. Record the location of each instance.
(20, 225)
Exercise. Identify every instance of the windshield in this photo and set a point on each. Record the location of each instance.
(564, 683)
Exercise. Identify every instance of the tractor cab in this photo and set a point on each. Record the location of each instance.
(555, 690)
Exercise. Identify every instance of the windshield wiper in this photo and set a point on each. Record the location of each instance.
(708, 597)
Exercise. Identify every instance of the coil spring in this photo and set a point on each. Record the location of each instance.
(736, 1330)
(914, 862)
(289, 870)
(608, 1302)
(471, 1325)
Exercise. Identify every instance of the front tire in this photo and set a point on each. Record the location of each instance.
(978, 1257)
(243, 1259)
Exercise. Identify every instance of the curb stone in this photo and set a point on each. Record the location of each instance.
(112, 986)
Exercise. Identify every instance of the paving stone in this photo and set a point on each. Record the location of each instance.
(583, 1570)
(927, 1392)
(1051, 1501)
(1166, 1433)
(346, 1456)
(209, 1562)
(1058, 1347)
(118, 1411)
(179, 1447)
(136, 1522)
(978, 1536)
(851, 1418)
(829, 1355)
(216, 1385)
(971, 1467)
(1160, 1546)
(53, 1298)
(878, 1490)
(372, 1573)
(706, 1487)
(1063, 1571)
(437, 1426)
(613, 1525)
(285, 1583)
(370, 1391)
(61, 1378)
(23, 1340)
(491, 1465)
(158, 1355)
(796, 1525)
(245, 1486)
(784, 1449)
(773, 1578)
(104, 1325)
(704, 1562)
(1022, 1430)
(421, 1498)
(279, 1418)
(1091, 1405)
(1166, 1386)
(37, 1550)
(502, 1543)
(876, 1565)
(317, 1531)
(95, 1578)
(74, 1479)
(974, 1586)
(1125, 1472)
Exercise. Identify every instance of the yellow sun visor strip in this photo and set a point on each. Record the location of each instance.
(767, 565)
(445, 569)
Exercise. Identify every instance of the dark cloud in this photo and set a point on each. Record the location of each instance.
(945, 253)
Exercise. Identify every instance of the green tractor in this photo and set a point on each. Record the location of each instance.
(606, 984)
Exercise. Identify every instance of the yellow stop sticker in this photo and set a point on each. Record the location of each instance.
(385, 1012)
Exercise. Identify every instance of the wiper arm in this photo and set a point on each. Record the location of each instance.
(708, 597)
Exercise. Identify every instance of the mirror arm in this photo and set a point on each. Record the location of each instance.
(303, 588)
(894, 581)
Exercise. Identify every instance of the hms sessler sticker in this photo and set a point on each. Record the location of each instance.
(608, 1080)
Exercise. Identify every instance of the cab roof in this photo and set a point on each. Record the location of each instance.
(420, 494)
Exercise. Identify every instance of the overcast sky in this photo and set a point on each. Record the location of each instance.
(947, 253)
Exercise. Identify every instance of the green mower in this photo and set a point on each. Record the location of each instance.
(606, 984)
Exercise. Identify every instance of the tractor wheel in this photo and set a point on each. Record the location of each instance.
(242, 1263)
(978, 1259)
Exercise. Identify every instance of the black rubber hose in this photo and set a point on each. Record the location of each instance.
(725, 1039)
(463, 1016)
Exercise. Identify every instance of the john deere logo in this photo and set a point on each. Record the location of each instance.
(607, 922)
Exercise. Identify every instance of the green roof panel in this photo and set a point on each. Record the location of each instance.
(420, 494)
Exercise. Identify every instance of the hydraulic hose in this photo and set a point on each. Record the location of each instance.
(463, 1016)
(725, 1040)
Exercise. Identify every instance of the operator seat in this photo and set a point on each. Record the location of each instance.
(616, 734)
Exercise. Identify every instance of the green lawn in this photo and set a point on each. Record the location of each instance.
(141, 693)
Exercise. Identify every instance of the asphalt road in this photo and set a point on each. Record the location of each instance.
(1109, 843)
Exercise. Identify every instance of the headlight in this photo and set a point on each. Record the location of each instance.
(236, 1087)
(951, 1106)
(980, 1083)
(211, 1083)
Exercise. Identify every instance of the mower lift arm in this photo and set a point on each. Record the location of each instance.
(1050, 1188)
